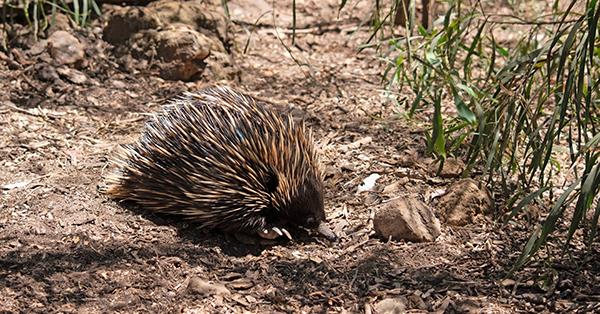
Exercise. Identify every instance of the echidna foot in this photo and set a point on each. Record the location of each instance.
(274, 232)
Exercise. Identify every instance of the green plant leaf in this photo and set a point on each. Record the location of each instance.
(526, 201)
(437, 136)
(463, 111)
(502, 51)
(432, 58)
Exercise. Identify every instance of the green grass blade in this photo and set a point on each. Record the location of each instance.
(526, 201)
(438, 138)
(583, 203)
(538, 237)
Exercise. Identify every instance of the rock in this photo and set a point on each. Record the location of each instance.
(391, 306)
(508, 282)
(58, 22)
(452, 168)
(391, 188)
(119, 84)
(395, 187)
(37, 48)
(177, 51)
(181, 40)
(65, 48)
(124, 23)
(46, 72)
(409, 220)
(203, 287)
(182, 51)
(241, 284)
(72, 75)
(416, 302)
(195, 14)
(463, 201)
(219, 66)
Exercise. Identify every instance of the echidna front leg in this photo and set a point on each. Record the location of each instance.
(274, 233)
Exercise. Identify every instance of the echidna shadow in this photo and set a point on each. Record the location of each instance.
(223, 161)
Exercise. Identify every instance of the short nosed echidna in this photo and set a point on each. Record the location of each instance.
(222, 159)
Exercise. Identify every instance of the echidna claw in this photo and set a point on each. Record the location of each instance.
(277, 230)
(287, 233)
(274, 232)
(269, 234)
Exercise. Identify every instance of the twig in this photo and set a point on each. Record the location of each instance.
(314, 30)
(289, 51)
(323, 25)
(520, 21)
(14, 107)
(39, 114)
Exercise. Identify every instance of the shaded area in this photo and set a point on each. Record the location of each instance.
(104, 275)
(65, 248)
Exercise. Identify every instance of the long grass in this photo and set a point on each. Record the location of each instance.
(516, 109)
(39, 14)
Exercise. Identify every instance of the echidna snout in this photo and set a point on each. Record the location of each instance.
(304, 209)
(307, 208)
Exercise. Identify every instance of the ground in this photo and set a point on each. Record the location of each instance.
(64, 247)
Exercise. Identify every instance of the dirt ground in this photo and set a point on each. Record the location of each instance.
(66, 248)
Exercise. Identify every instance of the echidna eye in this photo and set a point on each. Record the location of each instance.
(271, 183)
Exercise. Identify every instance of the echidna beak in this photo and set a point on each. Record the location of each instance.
(324, 230)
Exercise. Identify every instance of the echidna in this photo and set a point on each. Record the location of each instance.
(222, 159)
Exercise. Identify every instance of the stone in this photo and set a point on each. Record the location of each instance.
(416, 302)
(195, 14)
(391, 306)
(463, 201)
(180, 39)
(204, 287)
(452, 168)
(65, 48)
(182, 51)
(72, 75)
(124, 23)
(46, 72)
(58, 22)
(406, 219)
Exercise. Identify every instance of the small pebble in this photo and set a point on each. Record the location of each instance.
(203, 287)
